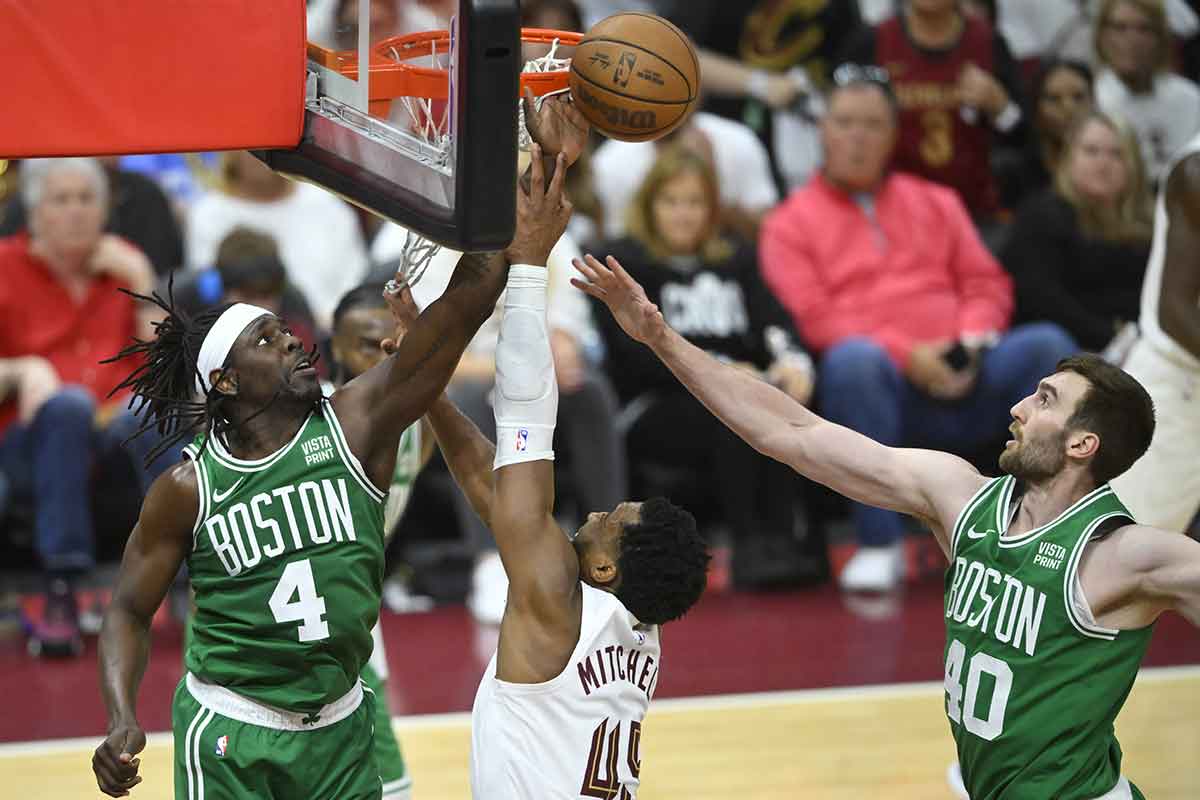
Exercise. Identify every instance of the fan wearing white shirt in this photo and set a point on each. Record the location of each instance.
(1133, 43)
(319, 237)
(743, 170)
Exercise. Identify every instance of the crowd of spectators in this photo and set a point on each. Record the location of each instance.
(902, 212)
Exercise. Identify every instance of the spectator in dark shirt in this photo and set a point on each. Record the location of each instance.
(709, 289)
(762, 60)
(1078, 250)
(958, 88)
(1061, 91)
(138, 211)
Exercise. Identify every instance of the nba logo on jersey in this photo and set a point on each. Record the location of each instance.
(222, 745)
(522, 439)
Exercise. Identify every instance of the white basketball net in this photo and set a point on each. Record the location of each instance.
(434, 129)
(414, 260)
(547, 63)
(427, 125)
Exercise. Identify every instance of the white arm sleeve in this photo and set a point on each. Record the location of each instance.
(526, 403)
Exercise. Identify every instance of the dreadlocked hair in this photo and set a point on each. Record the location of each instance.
(164, 384)
(663, 563)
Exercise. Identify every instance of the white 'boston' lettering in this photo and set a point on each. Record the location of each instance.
(266, 523)
(311, 491)
(284, 493)
(243, 535)
(339, 509)
(246, 533)
(972, 598)
(218, 535)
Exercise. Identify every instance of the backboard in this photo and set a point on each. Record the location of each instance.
(441, 161)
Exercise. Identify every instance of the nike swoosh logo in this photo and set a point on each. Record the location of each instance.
(219, 497)
(974, 534)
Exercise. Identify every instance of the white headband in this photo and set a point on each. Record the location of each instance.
(220, 338)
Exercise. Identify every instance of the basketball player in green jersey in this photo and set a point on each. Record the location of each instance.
(278, 513)
(1052, 589)
(362, 324)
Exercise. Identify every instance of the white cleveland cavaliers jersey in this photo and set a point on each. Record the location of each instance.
(1152, 332)
(577, 735)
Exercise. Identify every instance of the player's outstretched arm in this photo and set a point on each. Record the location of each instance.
(1149, 571)
(541, 621)
(376, 407)
(158, 545)
(468, 453)
(925, 483)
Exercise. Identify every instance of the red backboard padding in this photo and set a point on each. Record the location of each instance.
(106, 77)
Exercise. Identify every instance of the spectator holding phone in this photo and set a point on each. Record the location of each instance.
(887, 279)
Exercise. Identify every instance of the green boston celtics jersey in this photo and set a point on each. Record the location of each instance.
(1033, 684)
(408, 465)
(287, 567)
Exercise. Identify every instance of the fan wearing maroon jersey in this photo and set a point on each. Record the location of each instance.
(959, 89)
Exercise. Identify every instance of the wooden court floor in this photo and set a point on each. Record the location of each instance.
(871, 742)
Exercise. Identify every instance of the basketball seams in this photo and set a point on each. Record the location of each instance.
(671, 26)
(635, 98)
(690, 90)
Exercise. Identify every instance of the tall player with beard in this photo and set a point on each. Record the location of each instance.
(1053, 589)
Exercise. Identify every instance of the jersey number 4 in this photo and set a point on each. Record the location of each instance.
(601, 778)
(308, 608)
(961, 709)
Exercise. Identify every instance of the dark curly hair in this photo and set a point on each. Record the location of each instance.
(663, 563)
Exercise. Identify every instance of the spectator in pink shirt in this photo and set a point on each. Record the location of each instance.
(888, 281)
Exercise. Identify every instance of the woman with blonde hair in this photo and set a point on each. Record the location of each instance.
(1078, 250)
(1133, 47)
(707, 284)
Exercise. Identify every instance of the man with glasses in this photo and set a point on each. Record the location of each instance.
(1133, 43)
(958, 88)
(887, 279)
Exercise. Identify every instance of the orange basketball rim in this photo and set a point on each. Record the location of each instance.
(392, 76)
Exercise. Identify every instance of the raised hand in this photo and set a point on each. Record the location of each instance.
(542, 213)
(625, 298)
(115, 762)
(558, 126)
(398, 296)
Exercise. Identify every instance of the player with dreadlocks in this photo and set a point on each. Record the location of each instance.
(278, 511)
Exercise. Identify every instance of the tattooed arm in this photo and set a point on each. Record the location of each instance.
(376, 407)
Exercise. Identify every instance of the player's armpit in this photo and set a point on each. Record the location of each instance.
(1166, 569)
(375, 408)
(541, 621)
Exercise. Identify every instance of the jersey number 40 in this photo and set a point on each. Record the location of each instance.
(962, 709)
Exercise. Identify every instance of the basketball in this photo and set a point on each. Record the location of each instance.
(635, 77)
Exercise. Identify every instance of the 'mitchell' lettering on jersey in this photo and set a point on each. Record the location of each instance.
(615, 663)
(318, 450)
(982, 597)
(317, 512)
